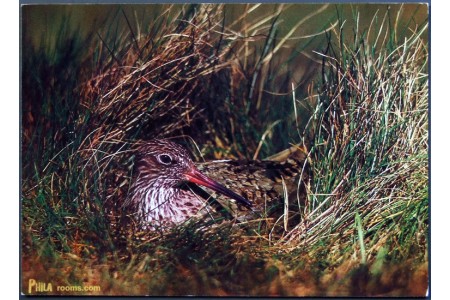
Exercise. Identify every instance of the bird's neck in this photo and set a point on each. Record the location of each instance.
(168, 205)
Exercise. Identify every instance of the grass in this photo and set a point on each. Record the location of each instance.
(371, 141)
(194, 74)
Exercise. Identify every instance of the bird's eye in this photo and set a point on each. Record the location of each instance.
(165, 159)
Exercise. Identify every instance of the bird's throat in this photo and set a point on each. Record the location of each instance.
(170, 206)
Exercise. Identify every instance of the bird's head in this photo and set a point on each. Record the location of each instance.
(162, 162)
(165, 164)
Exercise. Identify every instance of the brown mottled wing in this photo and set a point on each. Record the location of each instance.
(259, 181)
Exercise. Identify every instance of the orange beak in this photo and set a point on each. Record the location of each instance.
(196, 177)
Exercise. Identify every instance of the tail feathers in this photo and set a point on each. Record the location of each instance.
(296, 152)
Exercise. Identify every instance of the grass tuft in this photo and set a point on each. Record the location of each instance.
(369, 147)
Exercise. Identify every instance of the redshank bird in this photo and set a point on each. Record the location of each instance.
(165, 189)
